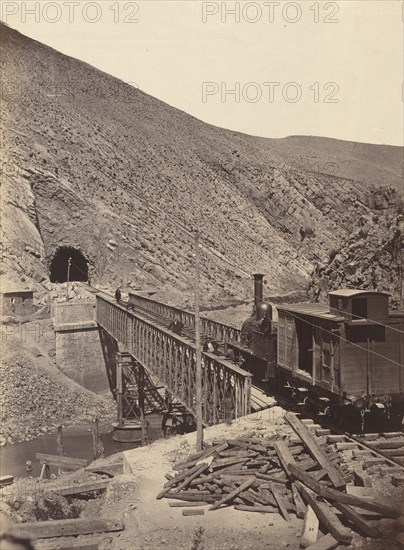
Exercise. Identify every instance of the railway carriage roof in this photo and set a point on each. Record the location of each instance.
(350, 292)
(320, 311)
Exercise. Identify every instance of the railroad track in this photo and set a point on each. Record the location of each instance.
(364, 454)
(384, 450)
(388, 446)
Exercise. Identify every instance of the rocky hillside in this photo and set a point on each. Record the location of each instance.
(372, 257)
(35, 397)
(92, 163)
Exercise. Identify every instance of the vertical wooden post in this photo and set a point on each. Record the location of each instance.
(401, 275)
(368, 389)
(100, 447)
(68, 277)
(95, 439)
(198, 377)
(59, 441)
(215, 419)
(45, 471)
(247, 395)
(141, 402)
(119, 389)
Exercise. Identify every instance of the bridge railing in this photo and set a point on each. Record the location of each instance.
(215, 330)
(172, 360)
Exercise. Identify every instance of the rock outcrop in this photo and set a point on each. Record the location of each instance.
(371, 257)
(35, 400)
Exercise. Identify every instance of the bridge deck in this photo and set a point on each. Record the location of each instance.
(217, 331)
(171, 358)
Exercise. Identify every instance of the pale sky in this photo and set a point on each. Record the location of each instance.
(297, 68)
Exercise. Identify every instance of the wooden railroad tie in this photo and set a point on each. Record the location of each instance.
(65, 527)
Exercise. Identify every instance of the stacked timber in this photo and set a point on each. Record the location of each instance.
(290, 475)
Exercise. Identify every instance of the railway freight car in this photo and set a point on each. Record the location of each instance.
(343, 361)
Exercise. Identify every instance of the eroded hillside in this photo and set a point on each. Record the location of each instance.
(92, 163)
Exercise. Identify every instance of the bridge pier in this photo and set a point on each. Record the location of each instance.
(131, 425)
(78, 348)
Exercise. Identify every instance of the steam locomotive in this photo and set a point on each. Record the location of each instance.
(343, 361)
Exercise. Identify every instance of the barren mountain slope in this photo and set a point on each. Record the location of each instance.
(92, 163)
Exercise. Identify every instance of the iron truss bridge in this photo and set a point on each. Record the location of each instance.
(171, 359)
(212, 329)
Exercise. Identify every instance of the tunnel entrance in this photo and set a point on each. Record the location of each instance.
(60, 263)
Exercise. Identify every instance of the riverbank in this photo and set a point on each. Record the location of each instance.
(77, 443)
(35, 397)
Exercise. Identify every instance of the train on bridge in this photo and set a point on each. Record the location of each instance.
(343, 361)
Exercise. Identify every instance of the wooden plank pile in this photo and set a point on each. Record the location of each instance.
(291, 475)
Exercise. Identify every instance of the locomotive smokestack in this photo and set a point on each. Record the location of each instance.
(258, 290)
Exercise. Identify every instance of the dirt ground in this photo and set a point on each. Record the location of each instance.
(151, 523)
(157, 525)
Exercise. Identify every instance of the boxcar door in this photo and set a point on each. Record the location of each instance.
(316, 355)
(326, 357)
(335, 363)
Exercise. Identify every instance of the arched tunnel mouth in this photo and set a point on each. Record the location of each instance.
(59, 268)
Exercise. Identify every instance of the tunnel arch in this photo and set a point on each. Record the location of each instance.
(59, 265)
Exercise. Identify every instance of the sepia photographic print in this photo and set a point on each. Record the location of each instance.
(201, 280)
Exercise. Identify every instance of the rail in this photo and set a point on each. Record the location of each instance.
(213, 329)
(172, 360)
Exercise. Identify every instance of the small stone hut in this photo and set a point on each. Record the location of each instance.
(17, 301)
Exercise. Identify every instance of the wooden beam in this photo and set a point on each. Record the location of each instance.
(177, 479)
(193, 459)
(6, 480)
(187, 481)
(270, 478)
(320, 474)
(65, 461)
(45, 471)
(338, 496)
(198, 349)
(256, 508)
(284, 454)
(78, 488)
(186, 504)
(310, 528)
(197, 512)
(300, 506)
(193, 497)
(94, 544)
(105, 472)
(328, 542)
(362, 478)
(364, 526)
(66, 527)
(326, 515)
(234, 493)
(219, 463)
(280, 501)
(315, 451)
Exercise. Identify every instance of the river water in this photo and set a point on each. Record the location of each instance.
(77, 442)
